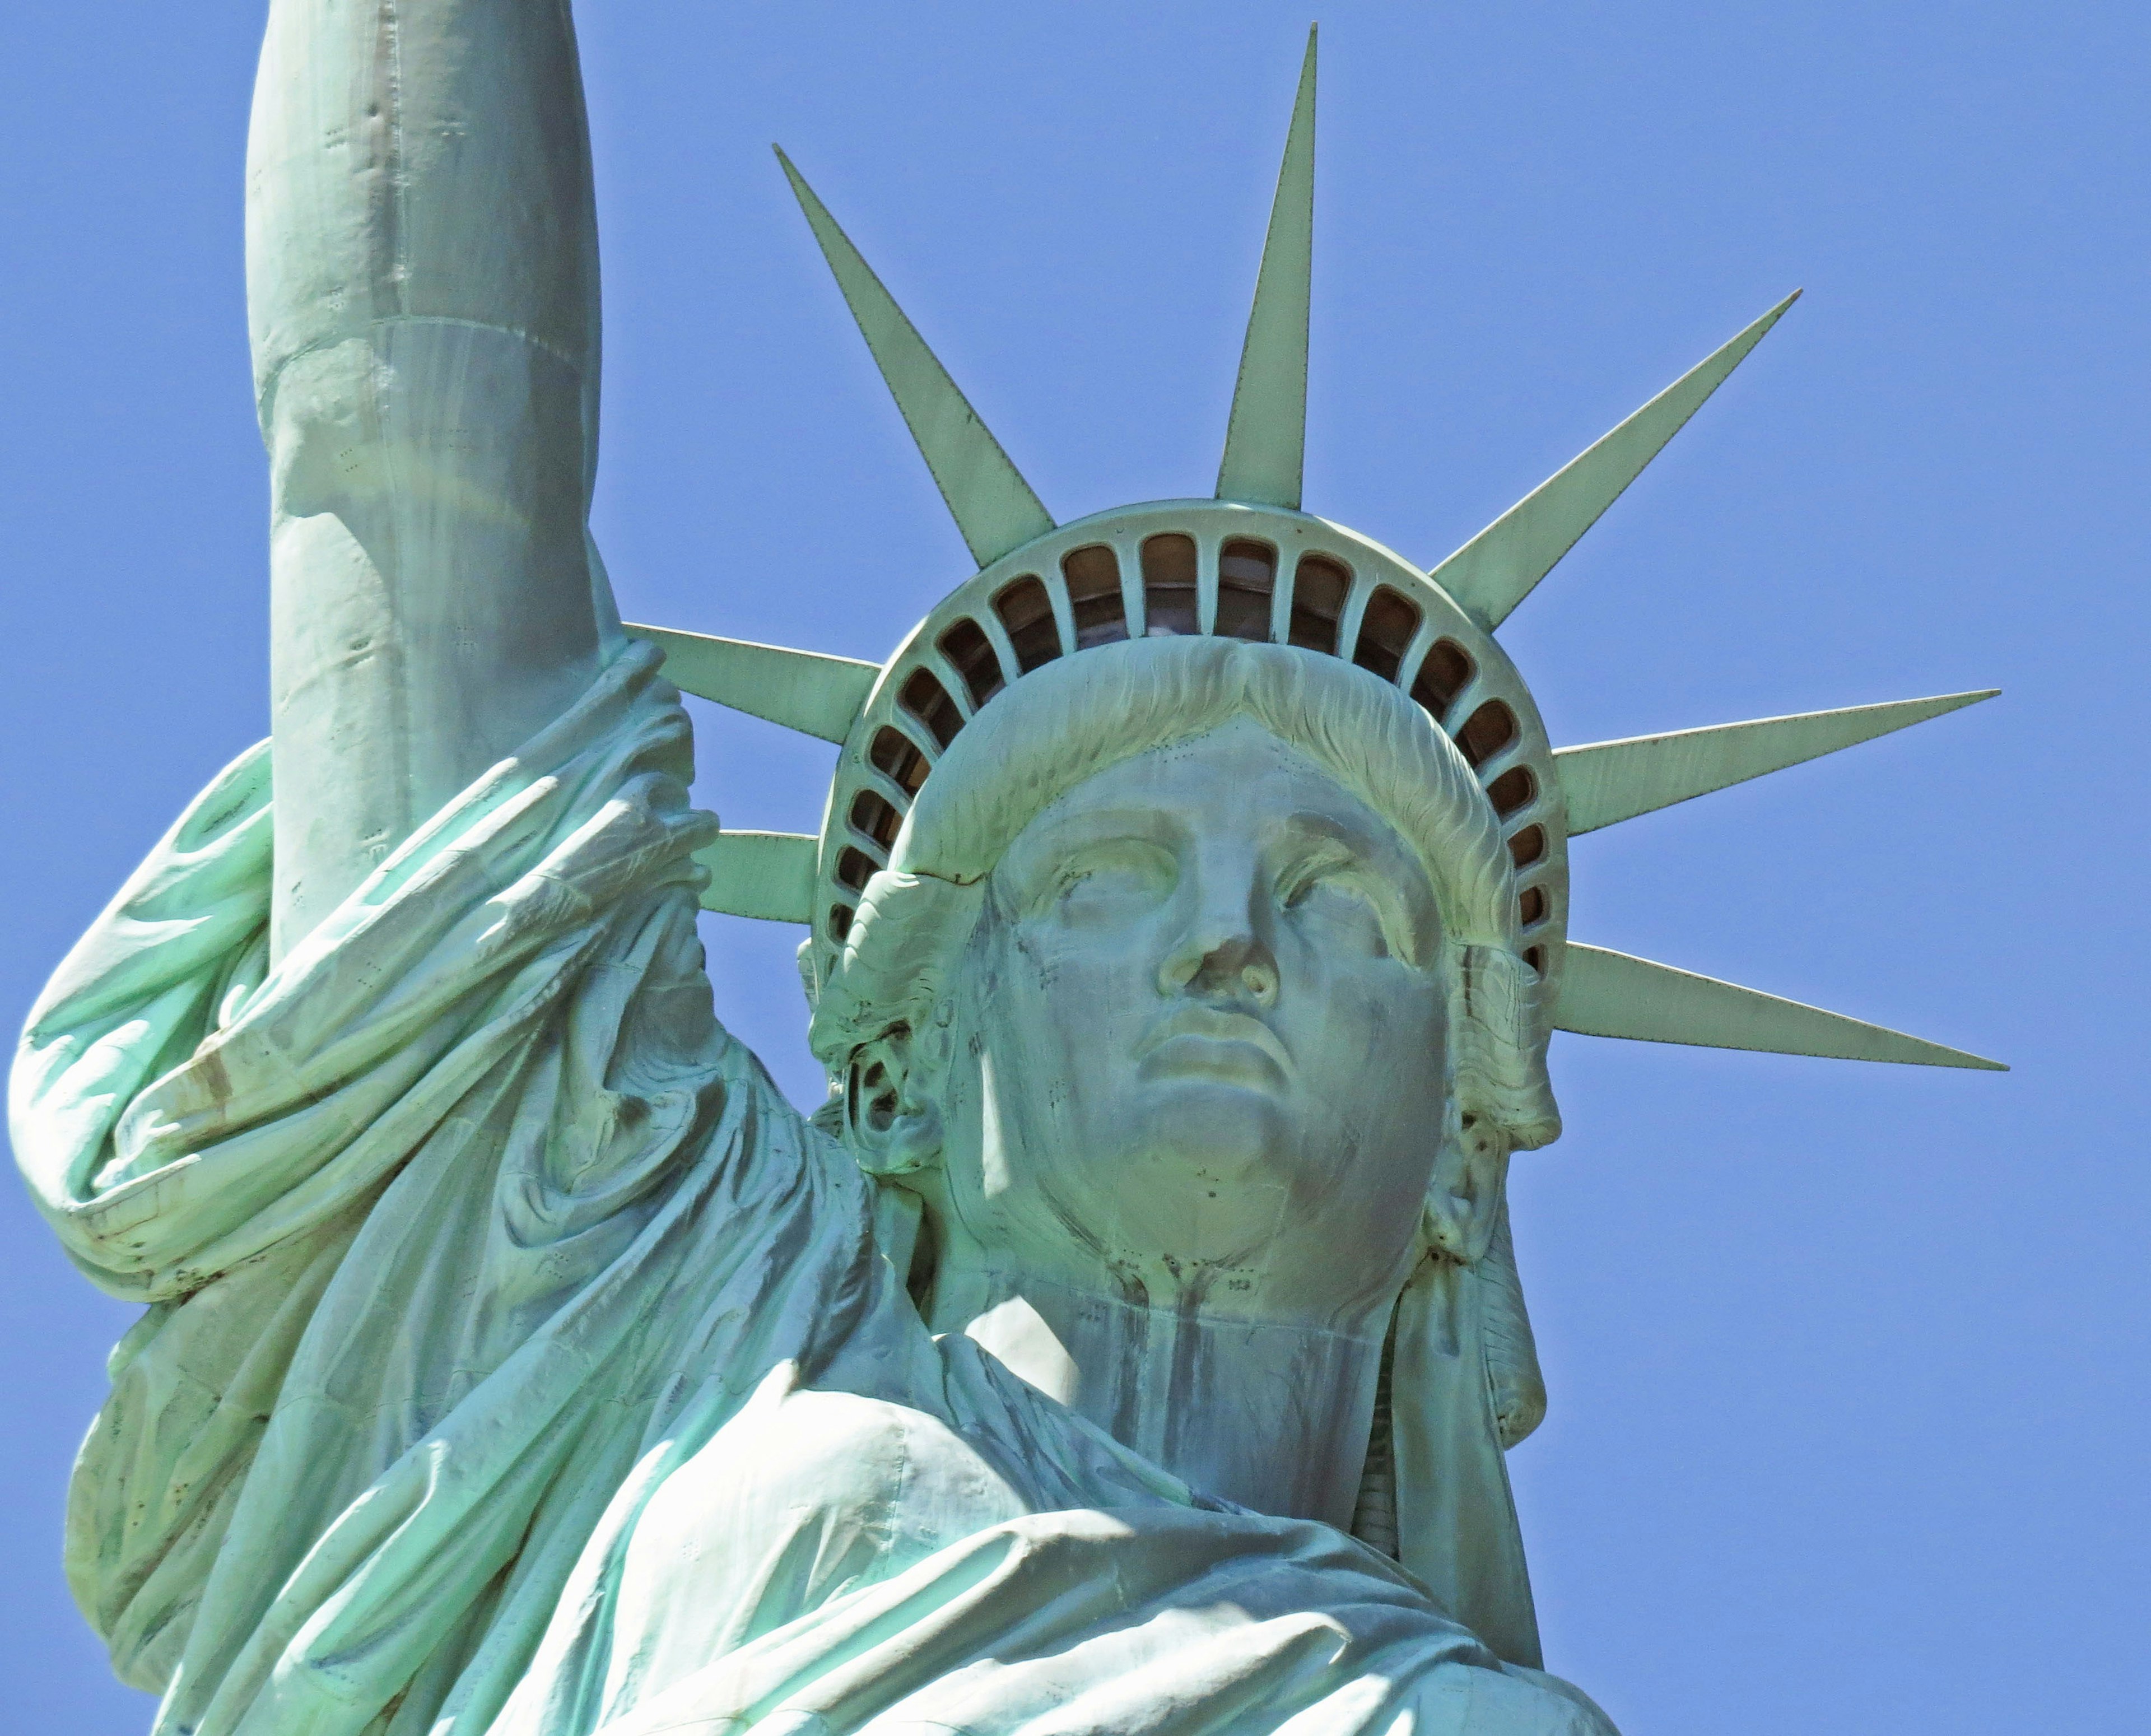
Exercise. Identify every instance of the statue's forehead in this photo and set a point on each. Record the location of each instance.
(1240, 780)
(1239, 767)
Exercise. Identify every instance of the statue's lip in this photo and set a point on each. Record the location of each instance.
(1207, 1033)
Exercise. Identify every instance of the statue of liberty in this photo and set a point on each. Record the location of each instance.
(1131, 1341)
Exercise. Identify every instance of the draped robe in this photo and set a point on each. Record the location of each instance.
(517, 1360)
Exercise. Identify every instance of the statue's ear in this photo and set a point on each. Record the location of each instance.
(891, 1126)
(1471, 1177)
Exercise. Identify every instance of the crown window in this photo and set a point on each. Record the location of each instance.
(1093, 575)
(897, 758)
(928, 700)
(1444, 673)
(970, 653)
(1168, 571)
(1027, 612)
(854, 867)
(1318, 589)
(875, 818)
(1487, 732)
(1246, 578)
(1387, 627)
(1512, 789)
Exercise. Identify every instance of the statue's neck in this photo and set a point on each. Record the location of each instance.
(1272, 1413)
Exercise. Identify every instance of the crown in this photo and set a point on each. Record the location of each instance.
(1251, 564)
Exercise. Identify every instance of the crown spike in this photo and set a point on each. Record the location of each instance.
(994, 507)
(1610, 782)
(1498, 568)
(1606, 993)
(767, 875)
(804, 690)
(1266, 438)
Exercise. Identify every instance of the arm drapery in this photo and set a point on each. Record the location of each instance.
(410, 1211)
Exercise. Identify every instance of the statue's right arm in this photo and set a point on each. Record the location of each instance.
(423, 297)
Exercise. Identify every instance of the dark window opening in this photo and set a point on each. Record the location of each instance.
(840, 920)
(1246, 579)
(928, 700)
(966, 647)
(1527, 846)
(1384, 630)
(925, 1263)
(1512, 789)
(1530, 907)
(1487, 732)
(1027, 612)
(1318, 599)
(897, 758)
(1168, 573)
(1094, 595)
(1531, 957)
(874, 1098)
(1443, 674)
(875, 818)
(854, 869)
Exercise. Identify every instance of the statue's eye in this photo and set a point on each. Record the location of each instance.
(1333, 901)
(1114, 880)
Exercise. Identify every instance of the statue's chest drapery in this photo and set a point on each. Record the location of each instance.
(803, 1497)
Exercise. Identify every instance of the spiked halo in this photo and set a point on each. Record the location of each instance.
(1250, 564)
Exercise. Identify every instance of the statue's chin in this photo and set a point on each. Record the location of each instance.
(1204, 1174)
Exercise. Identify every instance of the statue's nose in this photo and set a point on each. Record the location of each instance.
(1222, 956)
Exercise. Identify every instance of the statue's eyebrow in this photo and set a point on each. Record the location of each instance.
(1389, 859)
(1376, 843)
(1045, 843)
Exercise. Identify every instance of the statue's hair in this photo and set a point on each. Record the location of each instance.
(1077, 717)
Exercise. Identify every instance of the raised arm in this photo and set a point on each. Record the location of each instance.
(423, 294)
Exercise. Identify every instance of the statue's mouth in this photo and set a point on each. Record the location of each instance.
(1200, 1042)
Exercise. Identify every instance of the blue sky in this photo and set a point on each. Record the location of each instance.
(1848, 1428)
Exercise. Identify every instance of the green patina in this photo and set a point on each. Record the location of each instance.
(1131, 1342)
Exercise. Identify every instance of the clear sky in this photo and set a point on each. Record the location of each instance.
(1848, 1427)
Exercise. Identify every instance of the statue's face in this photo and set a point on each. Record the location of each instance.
(1198, 1039)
